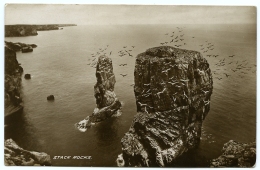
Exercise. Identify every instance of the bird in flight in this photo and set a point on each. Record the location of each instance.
(226, 75)
(123, 75)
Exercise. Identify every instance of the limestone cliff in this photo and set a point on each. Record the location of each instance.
(236, 154)
(172, 89)
(13, 72)
(17, 156)
(107, 103)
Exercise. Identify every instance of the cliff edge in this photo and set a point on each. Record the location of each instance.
(172, 90)
(13, 72)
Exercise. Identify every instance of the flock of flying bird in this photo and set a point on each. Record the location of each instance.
(177, 40)
(226, 64)
(207, 49)
(124, 52)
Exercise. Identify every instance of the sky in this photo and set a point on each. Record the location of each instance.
(84, 14)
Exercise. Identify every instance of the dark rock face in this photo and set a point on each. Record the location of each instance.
(50, 97)
(27, 76)
(17, 156)
(236, 154)
(107, 103)
(172, 89)
(13, 72)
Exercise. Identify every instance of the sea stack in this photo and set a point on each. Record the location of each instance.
(107, 104)
(106, 100)
(172, 90)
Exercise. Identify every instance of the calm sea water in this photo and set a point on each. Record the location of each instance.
(59, 66)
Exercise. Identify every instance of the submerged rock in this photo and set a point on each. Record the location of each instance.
(17, 156)
(107, 103)
(236, 154)
(172, 89)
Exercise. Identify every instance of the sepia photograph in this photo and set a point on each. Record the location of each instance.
(124, 85)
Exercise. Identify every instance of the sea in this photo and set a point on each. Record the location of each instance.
(63, 65)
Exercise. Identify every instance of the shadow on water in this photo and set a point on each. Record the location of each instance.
(106, 131)
(20, 130)
(192, 158)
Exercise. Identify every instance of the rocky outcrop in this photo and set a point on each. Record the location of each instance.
(172, 89)
(27, 76)
(27, 49)
(17, 156)
(236, 154)
(19, 46)
(13, 72)
(107, 103)
(50, 97)
(30, 30)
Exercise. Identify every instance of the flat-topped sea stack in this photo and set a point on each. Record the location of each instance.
(107, 104)
(172, 89)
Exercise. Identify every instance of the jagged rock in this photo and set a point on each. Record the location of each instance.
(27, 76)
(172, 89)
(17, 156)
(13, 72)
(108, 104)
(50, 97)
(236, 154)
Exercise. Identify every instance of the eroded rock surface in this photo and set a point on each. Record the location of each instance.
(236, 154)
(172, 89)
(107, 103)
(17, 156)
